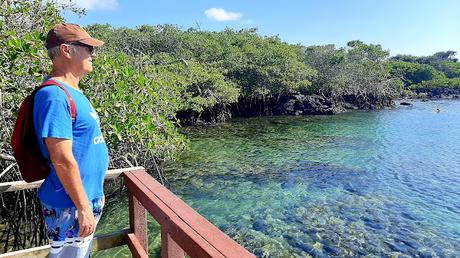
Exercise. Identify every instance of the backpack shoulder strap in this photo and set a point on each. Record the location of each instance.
(73, 108)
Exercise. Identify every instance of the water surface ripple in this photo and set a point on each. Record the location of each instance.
(376, 184)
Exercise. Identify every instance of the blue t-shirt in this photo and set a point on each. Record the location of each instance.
(52, 118)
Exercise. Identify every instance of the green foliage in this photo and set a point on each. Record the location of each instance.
(440, 83)
(452, 69)
(201, 86)
(246, 61)
(262, 65)
(23, 59)
(24, 25)
(413, 73)
(360, 51)
(137, 107)
(328, 62)
(444, 62)
(356, 73)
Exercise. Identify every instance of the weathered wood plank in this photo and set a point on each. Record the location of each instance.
(100, 242)
(110, 240)
(135, 246)
(36, 252)
(23, 185)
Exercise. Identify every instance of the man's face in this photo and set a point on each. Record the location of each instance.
(82, 56)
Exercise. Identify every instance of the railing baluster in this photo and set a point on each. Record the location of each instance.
(169, 247)
(138, 221)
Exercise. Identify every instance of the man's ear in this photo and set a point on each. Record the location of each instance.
(65, 50)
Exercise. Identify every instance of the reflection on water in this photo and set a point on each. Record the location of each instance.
(382, 183)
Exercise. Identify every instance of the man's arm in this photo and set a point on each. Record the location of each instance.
(67, 170)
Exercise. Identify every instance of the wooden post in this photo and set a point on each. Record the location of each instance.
(138, 221)
(169, 247)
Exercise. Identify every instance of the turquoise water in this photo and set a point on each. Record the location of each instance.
(377, 184)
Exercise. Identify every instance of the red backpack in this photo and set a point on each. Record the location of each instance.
(32, 165)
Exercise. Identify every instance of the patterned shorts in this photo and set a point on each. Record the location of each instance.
(62, 228)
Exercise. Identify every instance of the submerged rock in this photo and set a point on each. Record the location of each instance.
(397, 247)
(259, 225)
(426, 253)
(330, 248)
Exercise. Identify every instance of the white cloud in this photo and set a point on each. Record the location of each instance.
(220, 14)
(93, 4)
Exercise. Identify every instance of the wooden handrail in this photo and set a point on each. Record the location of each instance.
(100, 242)
(182, 228)
(23, 185)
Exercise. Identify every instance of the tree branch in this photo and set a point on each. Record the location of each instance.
(7, 157)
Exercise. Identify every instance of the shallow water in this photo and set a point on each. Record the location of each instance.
(374, 184)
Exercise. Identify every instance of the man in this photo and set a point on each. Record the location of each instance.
(72, 195)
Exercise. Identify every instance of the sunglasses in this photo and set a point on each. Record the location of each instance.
(89, 48)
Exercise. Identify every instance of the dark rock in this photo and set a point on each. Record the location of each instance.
(397, 247)
(316, 253)
(357, 251)
(347, 105)
(319, 105)
(375, 225)
(298, 104)
(258, 252)
(259, 225)
(313, 234)
(411, 216)
(442, 92)
(350, 188)
(310, 231)
(330, 249)
(424, 253)
(405, 104)
(297, 243)
(408, 242)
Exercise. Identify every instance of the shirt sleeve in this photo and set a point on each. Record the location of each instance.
(52, 117)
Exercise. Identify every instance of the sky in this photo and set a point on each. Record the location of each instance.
(415, 27)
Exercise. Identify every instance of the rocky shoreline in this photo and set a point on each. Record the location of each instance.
(438, 93)
(300, 104)
(289, 104)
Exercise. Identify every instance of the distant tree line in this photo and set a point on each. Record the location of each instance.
(426, 73)
(219, 74)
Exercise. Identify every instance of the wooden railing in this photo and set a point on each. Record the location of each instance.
(183, 230)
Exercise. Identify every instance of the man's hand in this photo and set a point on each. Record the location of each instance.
(87, 222)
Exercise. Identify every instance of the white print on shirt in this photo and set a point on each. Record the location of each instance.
(98, 139)
(93, 114)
